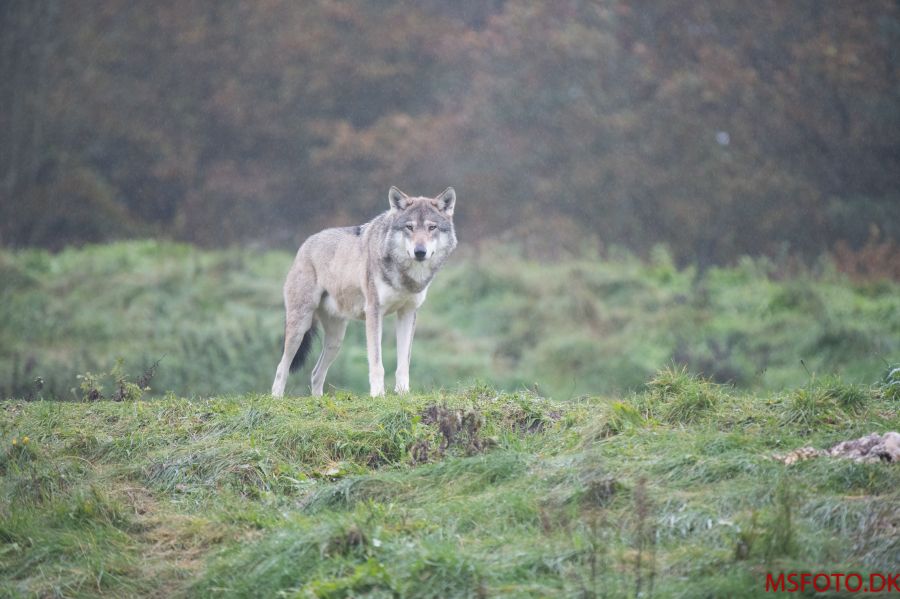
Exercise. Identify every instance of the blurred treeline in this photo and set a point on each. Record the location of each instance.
(718, 127)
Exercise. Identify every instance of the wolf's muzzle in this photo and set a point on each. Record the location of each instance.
(420, 252)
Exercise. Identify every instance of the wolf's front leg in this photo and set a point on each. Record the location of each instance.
(406, 326)
(374, 316)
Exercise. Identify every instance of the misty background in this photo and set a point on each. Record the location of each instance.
(716, 128)
(713, 184)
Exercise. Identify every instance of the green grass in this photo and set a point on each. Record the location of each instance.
(650, 466)
(579, 327)
(347, 496)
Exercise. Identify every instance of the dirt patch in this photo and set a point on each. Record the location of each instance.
(347, 542)
(419, 451)
(529, 423)
(458, 427)
(600, 490)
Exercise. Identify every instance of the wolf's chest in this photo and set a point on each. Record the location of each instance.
(391, 299)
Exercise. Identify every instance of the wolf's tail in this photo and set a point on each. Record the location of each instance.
(303, 350)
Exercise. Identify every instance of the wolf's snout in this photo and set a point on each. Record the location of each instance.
(420, 252)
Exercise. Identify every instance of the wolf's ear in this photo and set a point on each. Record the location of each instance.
(397, 199)
(447, 201)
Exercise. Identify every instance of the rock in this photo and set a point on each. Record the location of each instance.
(798, 455)
(871, 448)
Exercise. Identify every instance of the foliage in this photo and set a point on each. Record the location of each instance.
(92, 387)
(890, 385)
(720, 128)
(252, 496)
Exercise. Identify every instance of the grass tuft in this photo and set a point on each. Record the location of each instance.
(680, 397)
(823, 402)
(889, 387)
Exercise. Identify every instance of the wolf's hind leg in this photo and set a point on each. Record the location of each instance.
(334, 329)
(298, 323)
(291, 345)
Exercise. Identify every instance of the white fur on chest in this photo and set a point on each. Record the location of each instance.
(392, 299)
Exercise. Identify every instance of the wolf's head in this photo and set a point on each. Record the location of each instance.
(422, 228)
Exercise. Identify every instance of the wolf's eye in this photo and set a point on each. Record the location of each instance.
(432, 227)
(409, 227)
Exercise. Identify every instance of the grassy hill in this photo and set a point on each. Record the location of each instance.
(472, 494)
(579, 326)
(633, 478)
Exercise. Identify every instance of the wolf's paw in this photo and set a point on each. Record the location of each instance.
(401, 388)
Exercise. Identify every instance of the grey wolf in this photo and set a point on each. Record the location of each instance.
(365, 272)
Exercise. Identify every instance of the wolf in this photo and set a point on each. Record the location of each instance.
(365, 273)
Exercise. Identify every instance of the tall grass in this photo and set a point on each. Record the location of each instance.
(584, 326)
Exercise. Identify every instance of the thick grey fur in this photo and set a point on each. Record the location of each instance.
(366, 272)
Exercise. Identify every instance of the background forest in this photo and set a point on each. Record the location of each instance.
(716, 128)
